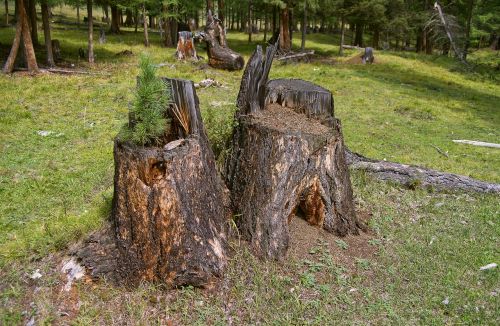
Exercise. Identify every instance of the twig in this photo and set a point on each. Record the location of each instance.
(441, 151)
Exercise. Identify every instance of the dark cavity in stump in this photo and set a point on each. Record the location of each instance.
(287, 159)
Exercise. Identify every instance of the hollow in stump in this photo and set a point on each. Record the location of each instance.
(287, 160)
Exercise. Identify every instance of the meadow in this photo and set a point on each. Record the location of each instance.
(418, 264)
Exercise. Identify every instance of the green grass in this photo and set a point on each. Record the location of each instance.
(55, 189)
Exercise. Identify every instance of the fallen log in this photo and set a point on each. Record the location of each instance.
(170, 207)
(476, 143)
(220, 56)
(414, 176)
(297, 56)
(352, 47)
(287, 159)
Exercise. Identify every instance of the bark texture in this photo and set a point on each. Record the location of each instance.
(414, 176)
(219, 55)
(170, 207)
(287, 159)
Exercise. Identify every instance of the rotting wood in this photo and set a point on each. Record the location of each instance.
(219, 54)
(170, 207)
(476, 143)
(287, 159)
(414, 176)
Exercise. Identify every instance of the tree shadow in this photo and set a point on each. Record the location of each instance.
(419, 84)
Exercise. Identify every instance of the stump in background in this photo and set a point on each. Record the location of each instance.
(219, 54)
(185, 46)
(287, 159)
(170, 207)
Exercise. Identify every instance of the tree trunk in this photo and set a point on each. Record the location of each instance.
(274, 21)
(266, 23)
(22, 32)
(46, 33)
(220, 12)
(145, 22)
(470, 8)
(115, 20)
(136, 19)
(106, 13)
(185, 46)
(78, 14)
(304, 28)
(342, 34)
(219, 55)
(32, 22)
(250, 25)
(91, 32)
(285, 44)
(210, 6)
(287, 159)
(415, 177)
(170, 208)
(376, 38)
(129, 20)
(358, 39)
(448, 33)
(6, 12)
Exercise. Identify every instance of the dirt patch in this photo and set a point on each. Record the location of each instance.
(305, 237)
(285, 119)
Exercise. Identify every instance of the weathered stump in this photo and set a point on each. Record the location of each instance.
(170, 207)
(220, 56)
(185, 46)
(287, 159)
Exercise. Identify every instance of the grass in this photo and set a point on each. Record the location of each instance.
(55, 189)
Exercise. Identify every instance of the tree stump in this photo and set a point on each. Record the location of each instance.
(287, 159)
(185, 46)
(220, 56)
(170, 207)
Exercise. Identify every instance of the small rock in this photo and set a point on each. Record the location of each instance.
(44, 133)
(489, 266)
(31, 322)
(73, 271)
(446, 301)
(353, 290)
(36, 275)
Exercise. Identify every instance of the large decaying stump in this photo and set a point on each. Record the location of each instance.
(220, 56)
(170, 207)
(287, 159)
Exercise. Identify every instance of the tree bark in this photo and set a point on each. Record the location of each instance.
(145, 22)
(32, 21)
(220, 12)
(470, 8)
(22, 32)
(91, 32)
(170, 208)
(115, 20)
(414, 176)
(219, 55)
(6, 12)
(342, 33)
(250, 25)
(287, 158)
(304, 27)
(358, 39)
(285, 43)
(185, 46)
(78, 14)
(46, 32)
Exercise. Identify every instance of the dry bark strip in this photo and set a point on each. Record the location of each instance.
(414, 176)
(170, 207)
(287, 158)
